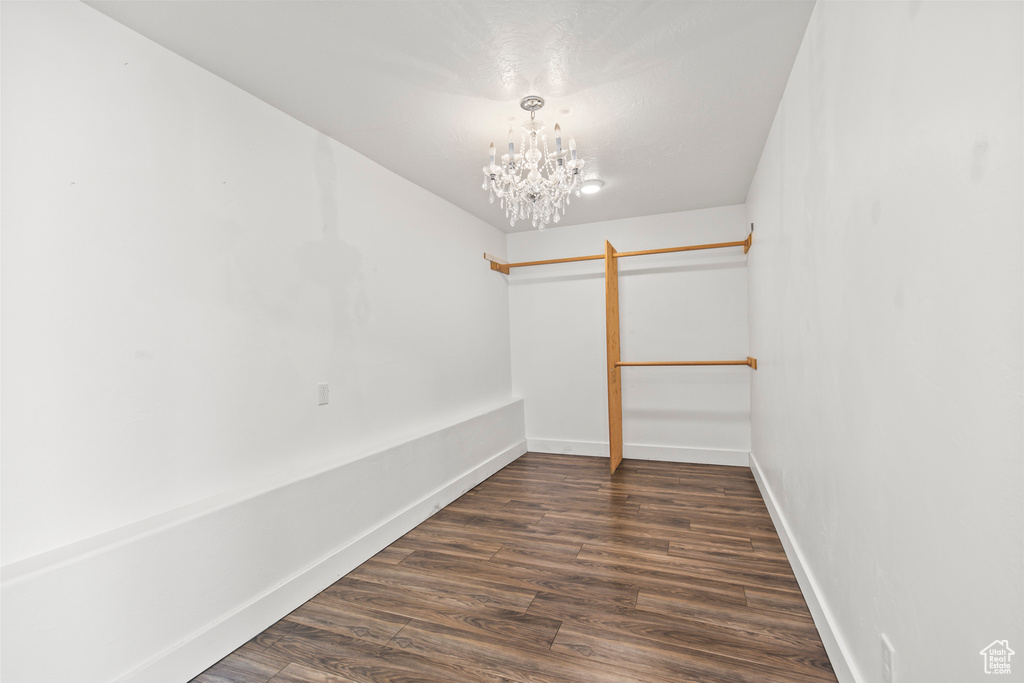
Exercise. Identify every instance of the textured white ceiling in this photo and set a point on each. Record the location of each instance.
(670, 102)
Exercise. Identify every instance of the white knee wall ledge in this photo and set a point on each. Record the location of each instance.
(166, 598)
(831, 638)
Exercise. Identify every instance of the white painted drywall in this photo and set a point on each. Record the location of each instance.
(886, 315)
(181, 265)
(684, 306)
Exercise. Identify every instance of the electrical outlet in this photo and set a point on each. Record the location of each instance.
(323, 394)
(888, 661)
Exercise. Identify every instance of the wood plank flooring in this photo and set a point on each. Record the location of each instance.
(552, 570)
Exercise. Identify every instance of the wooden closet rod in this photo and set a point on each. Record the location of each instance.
(611, 316)
(501, 267)
(751, 362)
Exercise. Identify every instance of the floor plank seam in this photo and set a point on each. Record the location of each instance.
(555, 637)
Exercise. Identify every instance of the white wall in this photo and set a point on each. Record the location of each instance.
(181, 265)
(684, 306)
(886, 315)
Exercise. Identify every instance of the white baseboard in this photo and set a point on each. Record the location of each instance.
(823, 619)
(165, 598)
(206, 647)
(704, 456)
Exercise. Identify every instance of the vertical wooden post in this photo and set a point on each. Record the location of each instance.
(611, 302)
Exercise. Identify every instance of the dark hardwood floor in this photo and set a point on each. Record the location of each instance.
(552, 570)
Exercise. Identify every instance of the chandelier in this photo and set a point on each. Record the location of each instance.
(534, 184)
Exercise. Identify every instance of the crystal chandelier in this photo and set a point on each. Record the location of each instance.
(534, 184)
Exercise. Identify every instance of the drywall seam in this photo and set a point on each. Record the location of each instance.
(199, 651)
(702, 456)
(842, 664)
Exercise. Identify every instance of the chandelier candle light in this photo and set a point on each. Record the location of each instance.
(534, 184)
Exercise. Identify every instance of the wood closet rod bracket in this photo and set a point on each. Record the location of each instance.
(497, 264)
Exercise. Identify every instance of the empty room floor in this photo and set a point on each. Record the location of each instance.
(552, 570)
